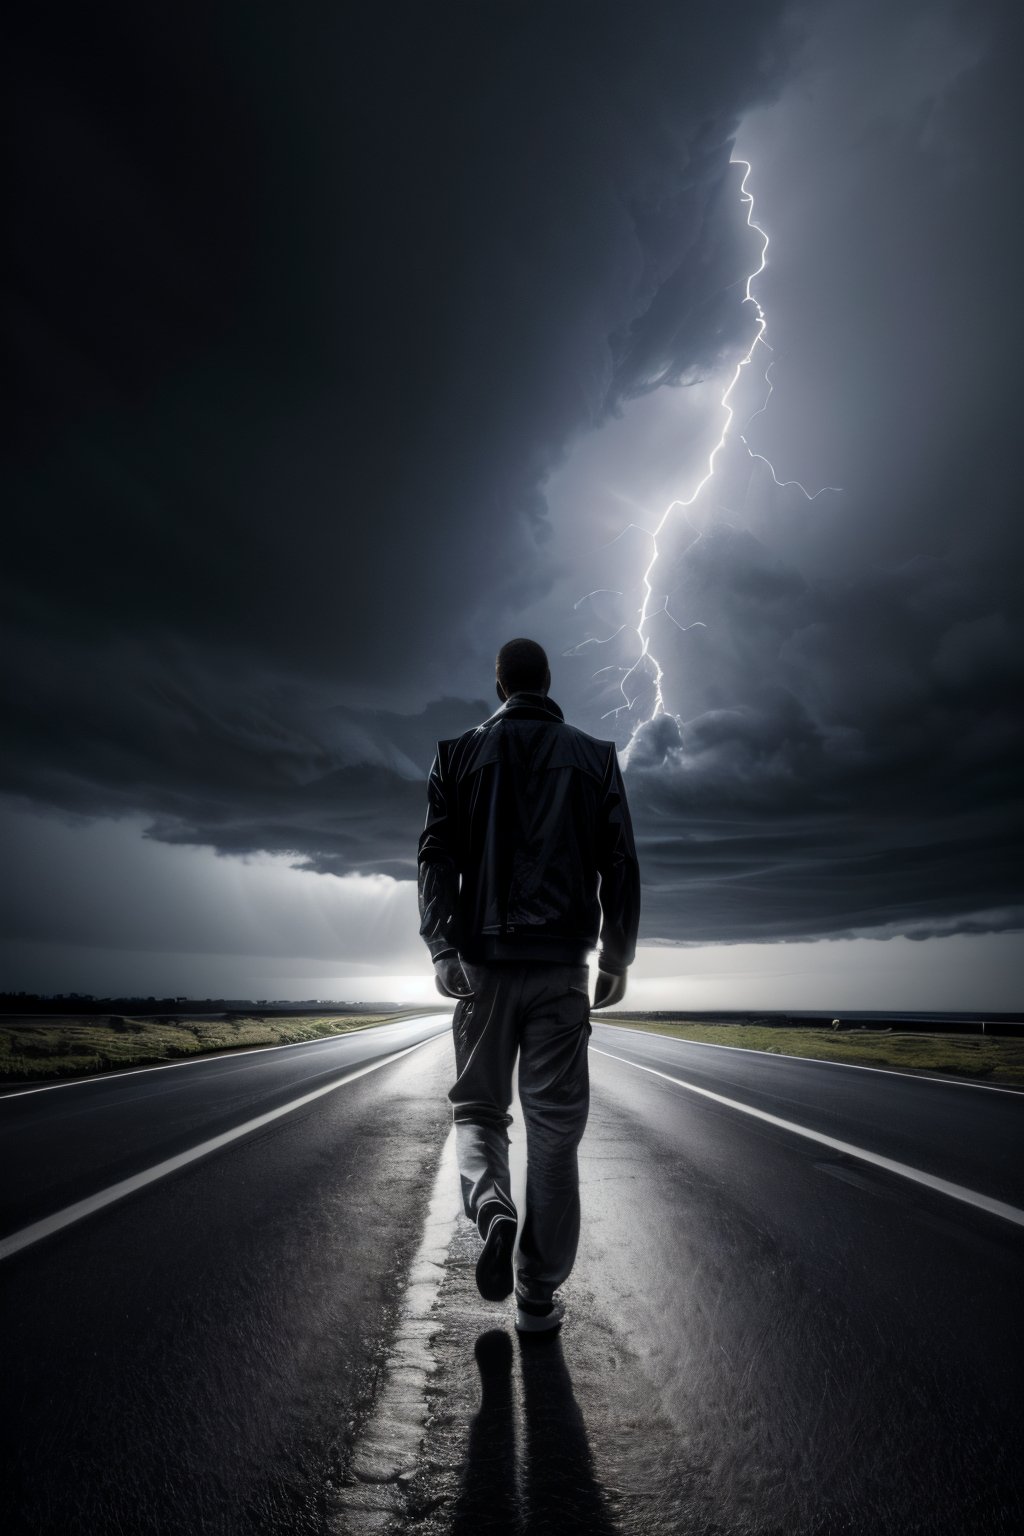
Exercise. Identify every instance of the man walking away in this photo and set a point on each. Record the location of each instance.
(526, 864)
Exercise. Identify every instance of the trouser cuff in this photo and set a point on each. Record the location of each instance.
(534, 1294)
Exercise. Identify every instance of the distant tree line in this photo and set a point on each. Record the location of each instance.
(86, 1003)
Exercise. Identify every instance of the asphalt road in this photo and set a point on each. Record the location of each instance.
(195, 1357)
(831, 1347)
(767, 1332)
(963, 1133)
(62, 1142)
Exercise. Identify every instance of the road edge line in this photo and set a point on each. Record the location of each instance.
(931, 1181)
(821, 1061)
(15, 1242)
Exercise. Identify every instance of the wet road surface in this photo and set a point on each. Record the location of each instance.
(196, 1357)
(836, 1348)
(764, 1334)
(64, 1141)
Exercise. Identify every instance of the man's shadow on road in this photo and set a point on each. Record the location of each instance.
(551, 1486)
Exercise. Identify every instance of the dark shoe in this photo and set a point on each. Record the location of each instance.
(494, 1278)
(539, 1316)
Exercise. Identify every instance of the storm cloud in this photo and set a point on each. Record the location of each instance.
(864, 773)
(307, 310)
(351, 343)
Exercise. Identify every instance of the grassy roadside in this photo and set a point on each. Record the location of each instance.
(45, 1050)
(985, 1058)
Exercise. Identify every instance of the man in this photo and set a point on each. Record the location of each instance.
(526, 862)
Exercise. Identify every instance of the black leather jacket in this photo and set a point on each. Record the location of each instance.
(526, 817)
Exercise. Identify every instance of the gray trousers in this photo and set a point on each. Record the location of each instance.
(542, 1012)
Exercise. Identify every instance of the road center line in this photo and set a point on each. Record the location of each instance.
(104, 1197)
(389, 1444)
(903, 1170)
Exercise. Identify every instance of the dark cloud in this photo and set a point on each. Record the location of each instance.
(842, 746)
(304, 309)
(317, 319)
(865, 773)
(273, 768)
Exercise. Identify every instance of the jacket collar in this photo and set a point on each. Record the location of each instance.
(527, 706)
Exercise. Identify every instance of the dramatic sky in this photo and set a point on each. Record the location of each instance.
(349, 342)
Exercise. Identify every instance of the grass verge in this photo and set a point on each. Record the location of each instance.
(45, 1050)
(988, 1058)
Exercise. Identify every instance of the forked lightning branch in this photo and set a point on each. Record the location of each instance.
(646, 664)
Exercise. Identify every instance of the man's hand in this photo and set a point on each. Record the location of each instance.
(450, 978)
(609, 989)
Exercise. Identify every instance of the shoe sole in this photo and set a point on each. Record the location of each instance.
(494, 1278)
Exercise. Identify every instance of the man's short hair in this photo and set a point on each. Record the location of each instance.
(522, 667)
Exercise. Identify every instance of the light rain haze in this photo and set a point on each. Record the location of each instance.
(348, 345)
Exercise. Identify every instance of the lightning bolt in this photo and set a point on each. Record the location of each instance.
(782, 484)
(646, 658)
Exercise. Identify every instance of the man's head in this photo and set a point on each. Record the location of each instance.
(522, 667)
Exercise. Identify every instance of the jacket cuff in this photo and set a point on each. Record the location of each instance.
(611, 967)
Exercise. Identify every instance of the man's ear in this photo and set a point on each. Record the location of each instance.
(499, 690)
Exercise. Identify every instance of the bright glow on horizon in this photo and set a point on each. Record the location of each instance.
(966, 973)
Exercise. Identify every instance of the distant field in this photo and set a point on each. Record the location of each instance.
(42, 1049)
(987, 1058)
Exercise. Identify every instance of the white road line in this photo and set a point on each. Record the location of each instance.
(915, 1175)
(198, 1060)
(104, 1197)
(821, 1061)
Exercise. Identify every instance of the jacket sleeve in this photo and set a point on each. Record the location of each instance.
(619, 869)
(438, 873)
